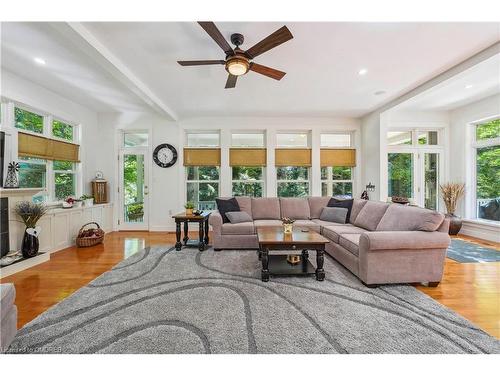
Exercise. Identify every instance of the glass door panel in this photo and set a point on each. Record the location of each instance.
(431, 180)
(400, 174)
(133, 190)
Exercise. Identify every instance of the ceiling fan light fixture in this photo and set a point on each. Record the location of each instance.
(237, 66)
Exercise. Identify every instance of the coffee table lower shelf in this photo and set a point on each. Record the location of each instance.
(279, 266)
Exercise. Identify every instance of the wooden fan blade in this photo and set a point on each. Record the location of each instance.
(267, 71)
(275, 39)
(201, 62)
(216, 35)
(231, 81)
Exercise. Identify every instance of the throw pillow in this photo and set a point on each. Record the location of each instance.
(238, 217)
(227, 205)
(334, 214)
(347, 203)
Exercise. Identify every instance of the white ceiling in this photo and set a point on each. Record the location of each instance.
(478, 82)
(322, 64)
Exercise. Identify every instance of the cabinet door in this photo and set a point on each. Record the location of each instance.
(97, 215)
(61, 231)
(46, 238)
(76, 222)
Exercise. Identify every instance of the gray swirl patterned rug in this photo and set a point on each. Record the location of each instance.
(163, 301)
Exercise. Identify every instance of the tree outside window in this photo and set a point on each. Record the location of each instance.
(27, 120)
(336, 181)
(202, 186)
(62, 130)
(247, 181)
(292, 181)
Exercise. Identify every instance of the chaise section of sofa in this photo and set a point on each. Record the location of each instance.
(382, 243)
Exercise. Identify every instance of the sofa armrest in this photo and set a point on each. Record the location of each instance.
(372, 241)
(215, 220)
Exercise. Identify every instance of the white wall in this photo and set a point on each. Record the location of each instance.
(460, 144)
(370, 148)
(95, 151)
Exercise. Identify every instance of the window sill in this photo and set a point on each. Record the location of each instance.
(56, 210)
(480, 222)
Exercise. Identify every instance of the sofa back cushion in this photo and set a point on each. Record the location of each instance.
(238, 217)
(344, 203)
(316, 205)
(266, 208)
(370, 215)
(295, 208)
(405, 218)
(334, 214)
(245, 203)
(357, 205)
(227, 205)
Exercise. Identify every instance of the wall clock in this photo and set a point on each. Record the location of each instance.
(165, 155)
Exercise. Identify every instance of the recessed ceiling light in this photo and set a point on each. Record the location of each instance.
(468, 86)
(362, 72)
(39, 60)
(380, 92)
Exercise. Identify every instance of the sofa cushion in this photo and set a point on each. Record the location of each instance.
(316, 205)
(346, 203)
(370, 215)
(245, 204)
(239, 228)
(309, 224)
(295, 208)
(333, 232)
(266, 208)
(238, 217)
(334, 214)
(357, 205)
(350, 242)
(227, 205)
(405, 218)
(267, 223)
(7, 298)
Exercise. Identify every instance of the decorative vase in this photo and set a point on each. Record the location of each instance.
(88, 202)
(30, 245)
(287, 228)
(455, 224)
(189, 211)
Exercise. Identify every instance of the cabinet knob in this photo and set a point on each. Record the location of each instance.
(294, 247)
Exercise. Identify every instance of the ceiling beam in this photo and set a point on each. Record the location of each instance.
(88, 43)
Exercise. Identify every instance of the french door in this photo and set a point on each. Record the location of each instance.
(415, 175)
(133, 190)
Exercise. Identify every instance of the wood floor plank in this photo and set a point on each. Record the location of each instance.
(472, 289)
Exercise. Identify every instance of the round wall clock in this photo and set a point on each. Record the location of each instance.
(165, 155)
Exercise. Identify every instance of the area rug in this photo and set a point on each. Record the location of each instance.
(467, 252)
(163, 301)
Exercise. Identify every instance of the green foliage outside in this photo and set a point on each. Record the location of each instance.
(203, 194)
(400, 168)
(488, 172)
(252, 188)
(488, 130)
(297, 184)
(32, 175)
(28, 120)
(62, 130)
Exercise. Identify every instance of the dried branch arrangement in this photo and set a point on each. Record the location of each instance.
(451, 193)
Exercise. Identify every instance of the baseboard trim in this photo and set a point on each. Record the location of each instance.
(484, 232)
(162, 228)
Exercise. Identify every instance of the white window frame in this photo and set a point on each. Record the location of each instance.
(190, 131)
(238, 131)
(351, 139)
(74, 128)
(414, 137)
(306, 132)
(330, 181)
(262, 181)
(186, 181)
(478, 144)
(53, 179)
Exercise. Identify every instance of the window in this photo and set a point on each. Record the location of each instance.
(135, 139)
(335, 140)
(427, 138)
(202, 186)
(336, 181)
(64, 179)
(292, 181)
(248, 181)
(300, 140)
(400, 175)
(247, 140)
(32, 173)
(28, 120)
(399, 138)
(62, 130)
(487, 162)
(202, 139)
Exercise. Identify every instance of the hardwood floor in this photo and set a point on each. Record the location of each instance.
(472, 289)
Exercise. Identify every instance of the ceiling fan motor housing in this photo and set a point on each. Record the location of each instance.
(237, 39)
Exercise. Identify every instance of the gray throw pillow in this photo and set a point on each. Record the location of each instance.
(238, 217)
(334, 214)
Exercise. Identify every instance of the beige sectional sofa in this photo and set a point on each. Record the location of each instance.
(382, 243)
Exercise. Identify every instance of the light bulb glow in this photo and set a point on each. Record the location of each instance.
(237, 66)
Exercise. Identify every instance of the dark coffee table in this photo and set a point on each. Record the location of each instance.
(202, 221)
(273, 239)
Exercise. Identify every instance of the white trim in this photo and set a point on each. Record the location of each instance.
(481, 229)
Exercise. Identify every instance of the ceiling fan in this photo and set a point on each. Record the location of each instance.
(238, 61)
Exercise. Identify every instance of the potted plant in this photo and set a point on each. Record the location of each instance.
(189, 206)
(451, 193)
(88, 200)
(30, 213)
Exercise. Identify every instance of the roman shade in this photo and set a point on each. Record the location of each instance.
(338, 157)
(295, 157)
(44, 148)
(201, 156)
(248, 157)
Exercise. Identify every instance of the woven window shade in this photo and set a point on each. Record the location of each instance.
(43, 148)
(340, 157)
(201, 156)
(248, 157)
(296, 157)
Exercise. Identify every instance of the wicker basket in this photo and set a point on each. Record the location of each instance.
(97, 238)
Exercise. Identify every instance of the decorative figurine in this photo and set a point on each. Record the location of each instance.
(11, 180)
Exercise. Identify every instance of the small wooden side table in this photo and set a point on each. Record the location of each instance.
(202, 221)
